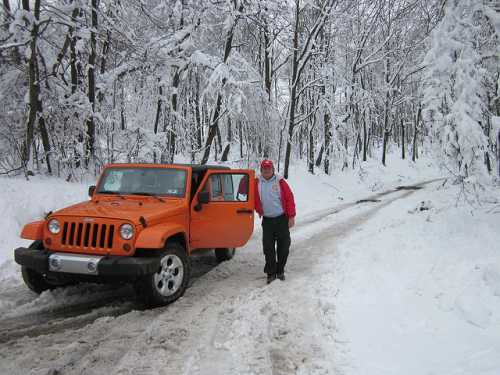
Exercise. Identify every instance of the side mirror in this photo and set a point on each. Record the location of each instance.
(203, 198)
(91, 190)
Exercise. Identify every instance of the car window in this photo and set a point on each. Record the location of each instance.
(216, 185)
(227, 187)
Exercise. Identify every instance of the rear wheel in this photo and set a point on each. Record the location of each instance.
(224, 254)
(170, 281)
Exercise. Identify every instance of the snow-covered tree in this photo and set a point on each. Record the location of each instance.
(325, 82)
(455, 95)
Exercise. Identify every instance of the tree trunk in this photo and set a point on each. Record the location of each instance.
(386, 110)
(197, 113)
(498, 152)
(219, 139)
(173, 121)
(122, 118)
(212, 129)
(365, 138)
(487, 161)
(370, 132)
(293, 91)
(33, 99)
(320, 156)
(403, 144)
(311, 150)
(72, 60)
(229, 130)
(280, 146)
(357, 148)
(384, 146)
(267, 62)
(414, 155)
(158, 107)
(105, 49)
(75, 81)
(226, 152)
(240, 135)
(328, 140)
(90, 141)
(35, 102)
(45, 138)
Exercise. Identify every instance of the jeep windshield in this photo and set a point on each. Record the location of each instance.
(143, 181)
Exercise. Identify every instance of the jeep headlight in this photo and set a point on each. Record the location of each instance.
(54, 226)
(126, 231)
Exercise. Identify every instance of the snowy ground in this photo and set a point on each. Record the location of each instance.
(391, 286)
(419, 291)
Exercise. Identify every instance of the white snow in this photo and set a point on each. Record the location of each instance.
(23, 201)
(407, 284)
(418, 290)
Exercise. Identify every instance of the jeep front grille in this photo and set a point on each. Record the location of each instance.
(81, 234)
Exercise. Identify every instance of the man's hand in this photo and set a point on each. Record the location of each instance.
(291, 222)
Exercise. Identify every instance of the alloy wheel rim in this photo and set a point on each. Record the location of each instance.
(169, 277)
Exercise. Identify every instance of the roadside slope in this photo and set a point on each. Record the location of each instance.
(419, 288)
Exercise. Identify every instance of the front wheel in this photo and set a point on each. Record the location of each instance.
(224, 254)
(35, 280)
(170, 281)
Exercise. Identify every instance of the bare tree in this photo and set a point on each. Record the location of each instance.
(301, 56)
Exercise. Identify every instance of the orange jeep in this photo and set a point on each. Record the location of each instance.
(140, 225)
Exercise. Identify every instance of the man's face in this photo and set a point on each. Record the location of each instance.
(267, 172)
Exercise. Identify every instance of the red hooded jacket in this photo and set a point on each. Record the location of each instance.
(287, 199)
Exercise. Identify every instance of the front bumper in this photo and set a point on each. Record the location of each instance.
(121, 267)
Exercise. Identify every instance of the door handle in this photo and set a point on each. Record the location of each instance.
(244, 211)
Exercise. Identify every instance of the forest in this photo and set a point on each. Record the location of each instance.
(325, 83)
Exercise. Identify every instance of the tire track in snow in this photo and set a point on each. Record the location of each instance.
(318, 215)
(52, 312)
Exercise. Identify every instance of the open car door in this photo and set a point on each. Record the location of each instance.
(225, 217)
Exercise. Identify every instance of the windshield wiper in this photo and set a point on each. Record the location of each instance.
(147, 194)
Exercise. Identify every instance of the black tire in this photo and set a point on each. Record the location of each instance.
(224, 254)
(38, 244)
(35, 280)
(170, 281)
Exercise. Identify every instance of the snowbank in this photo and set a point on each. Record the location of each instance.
(419, 289)
(23, 201)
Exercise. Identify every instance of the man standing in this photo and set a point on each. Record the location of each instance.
(274, 202)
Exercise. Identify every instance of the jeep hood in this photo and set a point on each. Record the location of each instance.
(125, 209)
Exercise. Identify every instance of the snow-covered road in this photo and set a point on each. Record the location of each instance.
(228, 322)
